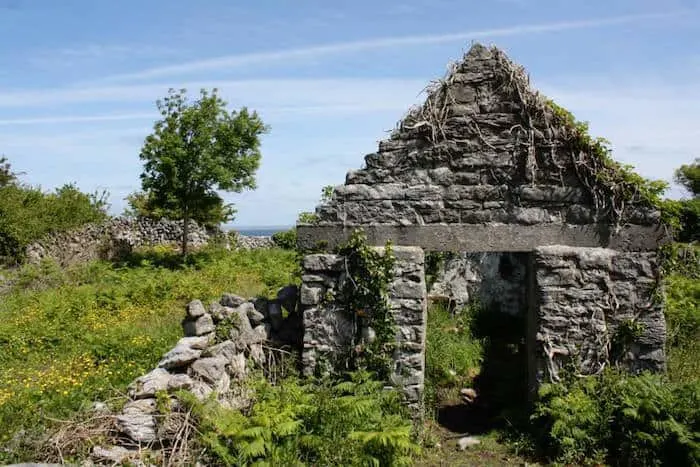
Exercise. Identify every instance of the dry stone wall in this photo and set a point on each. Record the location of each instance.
(483, 148)
(111, 239)
(330, 332)
(222, 343)
(595, 307)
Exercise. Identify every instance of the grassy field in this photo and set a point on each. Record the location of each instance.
(69, 338)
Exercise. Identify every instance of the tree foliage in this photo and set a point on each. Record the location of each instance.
(7, 177)
(197, 148)
(688, 210)
(688, 175)
(27, 213)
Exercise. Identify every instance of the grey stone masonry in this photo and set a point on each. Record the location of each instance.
(483, 149)
(329, 332)
(594, 307)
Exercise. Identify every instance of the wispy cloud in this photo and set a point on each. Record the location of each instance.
(234, 61)
(75, 119)
(83, 55)
(281, 94)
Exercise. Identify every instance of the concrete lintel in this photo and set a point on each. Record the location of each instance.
(488, 237)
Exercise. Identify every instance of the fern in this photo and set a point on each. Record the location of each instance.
(322, 424)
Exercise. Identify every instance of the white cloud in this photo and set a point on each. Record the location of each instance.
(235, 61)
(258, 93)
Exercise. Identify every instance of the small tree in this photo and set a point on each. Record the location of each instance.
(7, 177)
(688, 175)
(195, 149)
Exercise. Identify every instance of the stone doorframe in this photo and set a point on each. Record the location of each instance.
(580, 296)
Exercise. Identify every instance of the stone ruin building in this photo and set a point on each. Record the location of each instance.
(491, 170)
(538, 229)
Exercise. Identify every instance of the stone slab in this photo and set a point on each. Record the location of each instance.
(489, 237)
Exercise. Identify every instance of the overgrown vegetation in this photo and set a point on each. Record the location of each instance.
(27, 213)
(70, 337)
(365, 296)
(453, 356)
(620, 419)
(353, 422)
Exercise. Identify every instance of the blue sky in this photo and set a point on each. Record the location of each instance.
(78, 79)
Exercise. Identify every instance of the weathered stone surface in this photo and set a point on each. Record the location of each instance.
(116, 455)
(187, 350)
(231, 301)
(112, 239)
(322, 262)
(237, 367)
(254, 316)
(496, 280)
(219, 312)
(158, 380)
(195, 309)
(489, 236)
(199, 327)
(226, 350)
(584, 296)
(255, 335)
(310, 295)
(328, 330)
(209, 369)
(137, 421)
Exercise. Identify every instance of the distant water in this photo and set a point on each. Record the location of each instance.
(265, 231)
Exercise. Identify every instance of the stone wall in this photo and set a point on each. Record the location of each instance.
(587, 302)
(222, 342)
(483, 148)
(112, 238)
(329, 330)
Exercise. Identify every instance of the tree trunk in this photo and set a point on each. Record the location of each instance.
(185, 232)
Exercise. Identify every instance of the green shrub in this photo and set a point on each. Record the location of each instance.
(453, 355)
(27, 214)
(286, 239)
(355, 422)
(622, 419)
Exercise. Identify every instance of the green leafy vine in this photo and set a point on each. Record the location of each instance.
(364, 294)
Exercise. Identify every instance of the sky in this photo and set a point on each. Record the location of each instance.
(79, 80)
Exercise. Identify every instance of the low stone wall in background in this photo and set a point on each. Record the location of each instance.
(118, 236)
(112, 239)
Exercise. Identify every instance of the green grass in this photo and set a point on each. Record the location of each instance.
(453, 355)
(71, 337)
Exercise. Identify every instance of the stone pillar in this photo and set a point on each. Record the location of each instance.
(594, 307)
(329, 332)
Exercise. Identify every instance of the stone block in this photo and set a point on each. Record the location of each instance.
(323, 263)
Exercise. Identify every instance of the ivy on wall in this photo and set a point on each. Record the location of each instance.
(365, 295)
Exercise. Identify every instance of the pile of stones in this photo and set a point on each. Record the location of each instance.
(222, 343)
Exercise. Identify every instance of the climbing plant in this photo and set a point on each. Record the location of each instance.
(364, 295)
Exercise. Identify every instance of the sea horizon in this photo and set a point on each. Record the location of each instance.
(256, 230)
